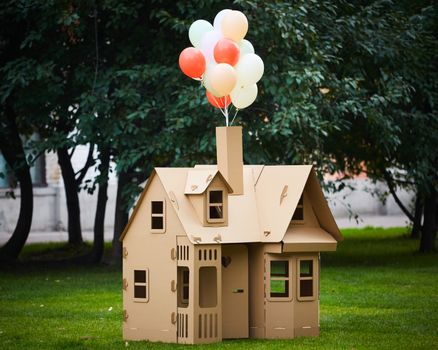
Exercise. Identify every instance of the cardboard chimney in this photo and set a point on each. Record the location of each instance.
(229, 152)
(204, 260)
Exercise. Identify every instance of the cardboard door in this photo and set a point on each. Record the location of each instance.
(279, 291)
(235, 291)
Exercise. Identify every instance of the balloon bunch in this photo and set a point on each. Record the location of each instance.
(223, 61)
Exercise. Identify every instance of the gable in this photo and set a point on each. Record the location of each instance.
(137, 205)
(242, 225)
(199, 180)
(320, 207)
(279, 189)
(140, 219)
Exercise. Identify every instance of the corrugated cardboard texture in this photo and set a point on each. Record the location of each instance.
(257, 215)
(308, 239)
(198, 180)
(229, 151)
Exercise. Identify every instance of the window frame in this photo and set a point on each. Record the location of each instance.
(306, 278)
(215, 204)
(141, 284)
(287, 278)
(37, 173)
(162, 215)
(182, 302)
(300, 205)
(203, 302)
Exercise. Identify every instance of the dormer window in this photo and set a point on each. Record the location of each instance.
(158, 216)
(208, 192)
(215, 206)
(298, 215)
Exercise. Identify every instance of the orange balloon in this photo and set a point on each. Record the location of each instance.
(218, 102)
(192, 62)
(223, 79)
(226, 51)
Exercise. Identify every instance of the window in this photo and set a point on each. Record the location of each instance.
(37, 173)
(141, 292)
(299, 211)
(279, 281)
(158, 211)
(305, 280)
(183, 286)
(207, 286)
(215, 206)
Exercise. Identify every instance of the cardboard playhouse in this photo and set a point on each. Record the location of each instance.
(227, 251)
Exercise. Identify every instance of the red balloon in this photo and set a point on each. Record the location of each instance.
(226, 51)
(218, 102)
(192, 62)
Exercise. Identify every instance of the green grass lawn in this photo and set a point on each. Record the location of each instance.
(376, 293)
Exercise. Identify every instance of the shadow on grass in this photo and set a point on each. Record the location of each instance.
(56, 256)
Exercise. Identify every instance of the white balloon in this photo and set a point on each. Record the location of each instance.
(249, 69)
(206, 79)
(209, 41)
(245, 47)
(242, 97)
(218, 19)
(197, 30)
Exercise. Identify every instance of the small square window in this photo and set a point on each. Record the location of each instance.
(306, 288)
(183, 277)
(305, 280)
(141, 286)
(157, 207)
(139, 291)
(215, 206)
(279, 268)
(157, 223)
(298, 214)
(216, 197)
(279, 288)
(279, 279)
(216, 212)
(306, 268)
(158, 214)
(139, 276)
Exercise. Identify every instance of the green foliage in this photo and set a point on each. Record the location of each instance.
(375, 294)
(346, 84)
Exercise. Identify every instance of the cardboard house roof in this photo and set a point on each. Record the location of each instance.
(262, 214)
(199, 179)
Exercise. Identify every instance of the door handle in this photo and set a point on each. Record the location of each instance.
(238, 290)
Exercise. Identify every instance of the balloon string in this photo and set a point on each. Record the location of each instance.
(237, 110)
(224, 111)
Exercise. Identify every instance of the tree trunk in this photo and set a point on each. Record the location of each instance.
(428, 234)
(72, 197)
(120, 219)
(13, 152)
(392, 189)
(102, 197)
(416, 228)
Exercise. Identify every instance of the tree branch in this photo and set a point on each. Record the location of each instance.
(87, 165)
(391, 188)
(72, 152)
